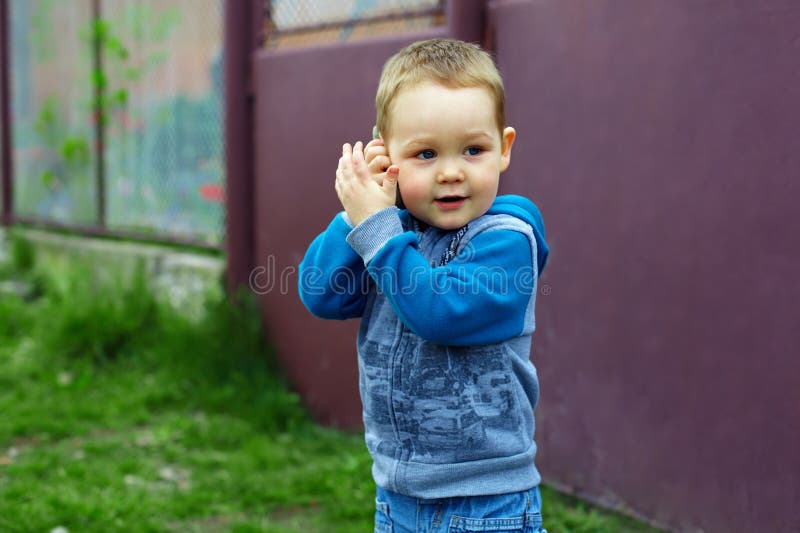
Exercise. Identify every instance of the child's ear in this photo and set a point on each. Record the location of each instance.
(506, 142)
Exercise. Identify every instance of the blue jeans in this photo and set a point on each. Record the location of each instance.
(518, 512)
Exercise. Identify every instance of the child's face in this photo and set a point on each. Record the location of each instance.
(449, 150)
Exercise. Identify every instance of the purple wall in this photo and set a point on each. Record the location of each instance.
(661, 139)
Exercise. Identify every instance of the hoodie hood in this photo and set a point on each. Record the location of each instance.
(522, 208)
(518, 207)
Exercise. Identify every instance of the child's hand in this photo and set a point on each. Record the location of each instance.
(378, 161)
(360, 194)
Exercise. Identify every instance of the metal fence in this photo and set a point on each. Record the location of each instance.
(117, 121)
(309, 22)
(113, 121)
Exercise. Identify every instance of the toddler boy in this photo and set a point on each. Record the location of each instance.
(445, 288)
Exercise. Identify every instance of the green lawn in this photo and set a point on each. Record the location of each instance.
(118, 413)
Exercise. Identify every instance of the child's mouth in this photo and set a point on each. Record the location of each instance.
(450, 202)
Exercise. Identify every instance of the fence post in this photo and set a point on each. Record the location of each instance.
(7, 214)
(243, 23)
(99, 115)
(466, 19)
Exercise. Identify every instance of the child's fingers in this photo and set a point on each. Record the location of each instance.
(343, 169)
(358, 151)
(359, 165)
(379, 164)
(375, 146)
(371, 152)
(347, 156)
(389, 184)
(340, 170)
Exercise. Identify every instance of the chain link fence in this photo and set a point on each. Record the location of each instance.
(52, 105)
(308, 22)
(156, 118)
(164, 146)
(117, 121)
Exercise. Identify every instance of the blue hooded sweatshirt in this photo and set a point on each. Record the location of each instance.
(446, 382)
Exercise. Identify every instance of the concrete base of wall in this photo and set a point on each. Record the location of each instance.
(181, 277)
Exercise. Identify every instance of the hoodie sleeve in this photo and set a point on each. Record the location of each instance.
(481, 297)
(333, 281)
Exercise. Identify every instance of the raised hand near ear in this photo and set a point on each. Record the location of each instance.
(359, 191)
(377, 157)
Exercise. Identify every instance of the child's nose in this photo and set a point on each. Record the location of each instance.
(450, 173)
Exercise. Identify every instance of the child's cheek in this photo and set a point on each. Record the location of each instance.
(411, 190)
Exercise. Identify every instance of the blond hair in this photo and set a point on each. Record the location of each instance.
(448, 62)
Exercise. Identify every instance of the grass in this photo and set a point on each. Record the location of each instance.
(119, 413)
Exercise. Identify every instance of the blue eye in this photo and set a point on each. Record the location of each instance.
(473, 150)
(426, 154)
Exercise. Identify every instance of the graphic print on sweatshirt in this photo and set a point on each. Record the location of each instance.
(442, 404)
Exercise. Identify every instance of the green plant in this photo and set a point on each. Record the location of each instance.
(98, 319)
(22, 253)
(14, 320)
(66, 159)
(121, 67)
(63, 154)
